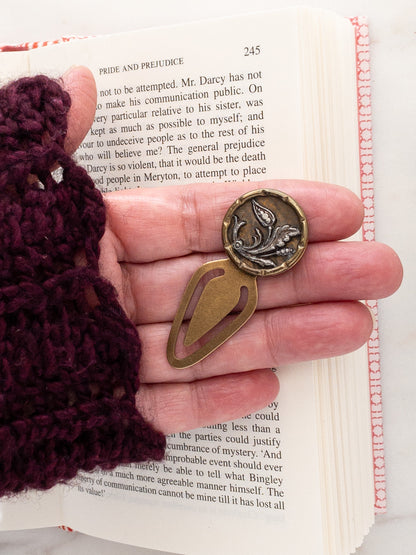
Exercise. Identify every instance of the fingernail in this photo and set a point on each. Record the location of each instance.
(373, 316)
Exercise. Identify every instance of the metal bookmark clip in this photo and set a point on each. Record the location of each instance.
(264, 233)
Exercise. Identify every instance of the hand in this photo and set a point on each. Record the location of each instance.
(156, 238)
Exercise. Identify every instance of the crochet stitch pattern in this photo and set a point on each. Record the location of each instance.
(69, 356)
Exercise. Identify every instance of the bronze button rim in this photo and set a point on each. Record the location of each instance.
(287, 261)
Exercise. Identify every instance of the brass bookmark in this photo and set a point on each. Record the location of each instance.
(264, 233)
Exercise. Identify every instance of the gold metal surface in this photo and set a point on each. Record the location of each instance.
(264, 233)
(218, 299)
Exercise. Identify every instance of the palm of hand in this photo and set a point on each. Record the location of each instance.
(156, 238)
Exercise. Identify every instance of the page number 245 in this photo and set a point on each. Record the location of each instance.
(252, 50)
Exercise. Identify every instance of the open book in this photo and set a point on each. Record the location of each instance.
(261, 96)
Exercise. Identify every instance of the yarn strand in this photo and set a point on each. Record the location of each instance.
(69, 360)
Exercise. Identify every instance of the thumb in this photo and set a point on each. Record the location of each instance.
(80, 84)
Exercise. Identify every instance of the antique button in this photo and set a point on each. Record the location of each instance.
(265, 232)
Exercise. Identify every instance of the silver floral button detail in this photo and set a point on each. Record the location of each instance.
(265, 232)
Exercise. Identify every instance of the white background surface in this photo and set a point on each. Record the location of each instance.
(393, 63)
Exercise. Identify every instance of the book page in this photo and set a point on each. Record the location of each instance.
(232, 488)
(221, 101)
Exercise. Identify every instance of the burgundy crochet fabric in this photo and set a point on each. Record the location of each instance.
(69, 356)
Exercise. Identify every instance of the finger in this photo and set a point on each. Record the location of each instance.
(331, 271)
(80, 84)
(151, 224)
(174, 408)
(270, 338)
